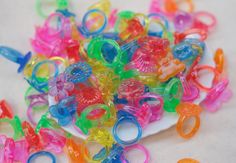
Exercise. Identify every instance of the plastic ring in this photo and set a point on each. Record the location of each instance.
(161, 17)
(130, 120)
(200, 14)
(84, 28)
(84, 123)
(195, 128)
(62, 18)
(139, 147)
(209, 68)
(16, 125)
(186, 111)
(170, 102)
(30, 109)
(95, 51)
(36, 68)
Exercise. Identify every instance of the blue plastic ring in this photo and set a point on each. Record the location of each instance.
(39, 65)
(98, 31)
(131, 120)
(162, 17)
(35, 83)
(41, 153)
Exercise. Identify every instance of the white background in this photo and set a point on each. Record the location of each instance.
(216, 140)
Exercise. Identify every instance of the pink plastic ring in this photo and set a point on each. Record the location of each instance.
(139, 147)
(204, 67)
(157, 110)
(191, 92)
(198, 15)
(30, 109)
(47, 22)
(218, 95)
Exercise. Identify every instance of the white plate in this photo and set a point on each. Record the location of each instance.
(168, 120)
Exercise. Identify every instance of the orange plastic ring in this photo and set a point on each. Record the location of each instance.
(186, 111)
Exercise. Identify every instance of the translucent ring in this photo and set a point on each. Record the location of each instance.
(40, 83)
(199, 14)
(157, 109)
(84, 29)
(162, 33)
(30, 109)
(171, 102)
(126, 117)
(36, 68)
(84, 123)
(95, 50)
(138, 147)
(197, 69)
(161, 17)
(186, 111)
(62, 22)
(16, 125)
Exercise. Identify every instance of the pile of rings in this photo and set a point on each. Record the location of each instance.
(111, 68)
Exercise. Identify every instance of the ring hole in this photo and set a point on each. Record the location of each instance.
(205, 18)
(109, 52)
(44, 71)
(189, 124)
(126, 131)
(203, 75)
(156, 26)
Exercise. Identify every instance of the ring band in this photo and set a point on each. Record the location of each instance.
(187, 110)
(42, 153)
(180, 125)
